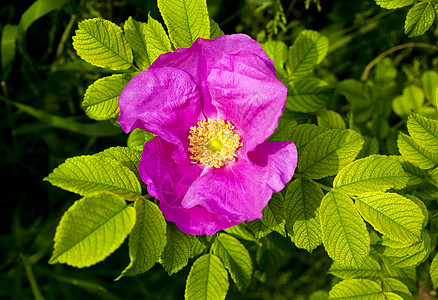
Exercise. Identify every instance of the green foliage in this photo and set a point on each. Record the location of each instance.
(94, 237)
(273, 218)
(85, 175)
(186, 20)
(360, 289)
(302, 201)
(235, 258)
(308, 50)
(103, 44)
(147, 239)
(373, 173)
(100, 99)
(207, 279)
(363, 197)
(420, 16)
(344, 233)
(395, 216)
(178, 249)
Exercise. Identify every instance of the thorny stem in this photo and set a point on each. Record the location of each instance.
(374, 62)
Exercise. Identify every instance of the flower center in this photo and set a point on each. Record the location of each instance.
(213, 142)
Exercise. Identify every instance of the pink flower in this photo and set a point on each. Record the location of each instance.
(212, 107)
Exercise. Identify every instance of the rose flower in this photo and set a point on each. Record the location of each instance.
(212, 107)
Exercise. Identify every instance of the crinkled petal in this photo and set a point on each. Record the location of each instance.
(202, 56)
(169, 182)
(278, 159)
(164, 101)
(246, 92)
(196, 220)
(241, 189)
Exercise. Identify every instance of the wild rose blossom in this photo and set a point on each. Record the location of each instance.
(212, 107)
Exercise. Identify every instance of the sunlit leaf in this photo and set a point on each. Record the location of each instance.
(178, 249)
(83, 239)
(85, 175)
(328, 153)
(235, 258)
(307, 51)
(344, 232)
(308, 95)
(186, 20)
(395, 216)
(147, 239)
(302, 200)
(372, 173)
(419, 18)
(103, 44)
(101, 97)
(208, 279)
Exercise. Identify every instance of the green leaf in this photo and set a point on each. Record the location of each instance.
(136, 35)
(138, 137)
(372, 173)
(344, 233)
(359, 289)
(91, 229)
(301, 135)
(391, 4)
(277, 51)
(273, 218)
(386, 72)
(396, 286)
(102, 44)
(186, 20)
(89, 174)
(242, 232)
(434, 272)
(207, 279)
(411, 100)
(411, 255)
(331, 119)
(235, 258)
(147, 239)
(308, 50)
(369, 270)
(157, 40)
(178, 249)
(416, 154)
(98, 129)
(308, 95)
(430, 85)
(37, 10)
(328, 153)
(215, 30)
(419, 18)
(130, 158)
(8, 43)
(393, 215)
(101, 97)
(302, 200)
(270, 259)
(424, 131)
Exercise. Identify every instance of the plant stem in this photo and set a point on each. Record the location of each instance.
(376, 60)
(29, 273)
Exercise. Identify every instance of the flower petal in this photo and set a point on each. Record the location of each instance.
(202, 56)
(241, 189)
(164, 101)
(169, 183)
(247, 93)
(279, 159)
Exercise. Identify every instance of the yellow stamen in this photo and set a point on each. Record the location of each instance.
(213, 142)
